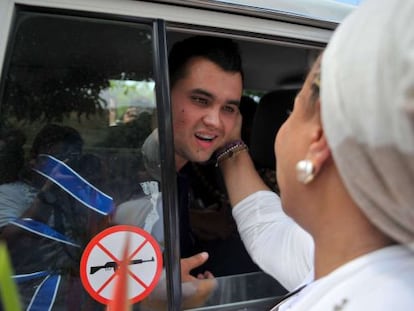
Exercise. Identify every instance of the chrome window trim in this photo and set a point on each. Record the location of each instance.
(323, 14)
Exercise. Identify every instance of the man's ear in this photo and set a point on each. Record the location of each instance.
(319, 152)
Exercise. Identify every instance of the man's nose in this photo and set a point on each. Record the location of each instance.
(212, 118)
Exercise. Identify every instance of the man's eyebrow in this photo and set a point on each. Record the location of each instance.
(202, 92)
(235, 102)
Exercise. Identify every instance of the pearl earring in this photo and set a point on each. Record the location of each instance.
(305, 171)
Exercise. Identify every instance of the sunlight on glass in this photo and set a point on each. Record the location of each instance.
(127, 98)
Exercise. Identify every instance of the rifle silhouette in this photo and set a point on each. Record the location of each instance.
(113, 265)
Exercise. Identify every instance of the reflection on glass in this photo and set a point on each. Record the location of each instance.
(78, 104)
(126, 99)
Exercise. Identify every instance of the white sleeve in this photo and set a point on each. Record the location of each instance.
(275, 242)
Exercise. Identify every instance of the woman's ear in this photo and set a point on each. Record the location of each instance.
(319, 151)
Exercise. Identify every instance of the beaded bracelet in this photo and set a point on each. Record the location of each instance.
(229, 150)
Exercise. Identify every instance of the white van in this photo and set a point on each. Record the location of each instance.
(92, 77)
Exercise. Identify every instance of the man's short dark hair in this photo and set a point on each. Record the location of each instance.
(223, 52)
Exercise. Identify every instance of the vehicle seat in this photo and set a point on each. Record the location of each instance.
(272, 111)
(248, 108)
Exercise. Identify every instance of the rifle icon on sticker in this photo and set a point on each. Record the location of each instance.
(114, 265)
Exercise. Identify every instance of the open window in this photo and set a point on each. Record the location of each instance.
(270, 65)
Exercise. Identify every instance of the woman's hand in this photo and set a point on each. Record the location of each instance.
(235, 133)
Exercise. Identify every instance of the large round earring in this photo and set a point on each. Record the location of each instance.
(305, 171)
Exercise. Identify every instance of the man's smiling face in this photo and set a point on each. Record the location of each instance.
(205, 104)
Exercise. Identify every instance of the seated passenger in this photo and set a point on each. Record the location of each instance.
(15, 194)
(59, 222)
(206, 87)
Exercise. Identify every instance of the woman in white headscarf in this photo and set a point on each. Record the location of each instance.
(345, 168)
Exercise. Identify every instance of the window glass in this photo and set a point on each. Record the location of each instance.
(77, 106)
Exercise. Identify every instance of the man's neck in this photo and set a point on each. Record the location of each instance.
(180, 162)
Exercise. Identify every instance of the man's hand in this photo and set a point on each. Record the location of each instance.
(190, 263)
(195, 290)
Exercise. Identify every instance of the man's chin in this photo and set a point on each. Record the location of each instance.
(202, 159)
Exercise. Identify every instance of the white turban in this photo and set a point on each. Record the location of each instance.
(367, 102)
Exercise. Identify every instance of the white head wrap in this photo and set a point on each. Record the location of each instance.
(367, 102)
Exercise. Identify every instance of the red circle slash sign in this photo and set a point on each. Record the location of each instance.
(103, 256)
